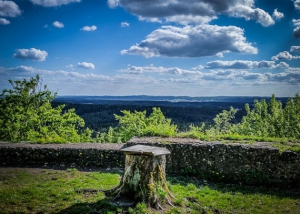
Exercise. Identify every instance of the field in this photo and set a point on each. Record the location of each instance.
(37, 190)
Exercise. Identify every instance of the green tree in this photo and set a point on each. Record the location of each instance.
(291, 118)
(26, 114)
(223, 122)
(269, 119)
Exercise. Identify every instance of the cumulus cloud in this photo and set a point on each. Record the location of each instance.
(53, 3)
(21, 69)
(86, 65)
(9, 9)
(124, 24)
(296, 23)
(285, 55)
(192, 11)
(297, 4)
(161, 70)
(226, 74)
(71, 66)
(58, 24)
(295, 49)
(112, 3)
(244, 64)
(199, 41)
(4, 21)
(32, 53)
(89, 28)
(259, 16)
(277, 15)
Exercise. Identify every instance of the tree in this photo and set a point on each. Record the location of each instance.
(269, 119)
(222, 122)
(26, 114)
(291, 115)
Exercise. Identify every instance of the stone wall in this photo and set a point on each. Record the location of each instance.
(62, 155)
(252, 164)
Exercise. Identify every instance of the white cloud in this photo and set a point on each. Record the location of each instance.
(202, 40)
(285, 55)
(112, 3)
(244, 64)
(295, 49)
(160, 70)
(22, 69)
(4, 21)
(53, 3)
(277, 15)
(282, 65)
(86, 65)
(192, 11)
(89, 28)
(212, 83)
(58, 24)
(70, 66)
(296, 23)
(124, 24)
(32, 53)
(259, 16)
(9, 9)
(297, 4)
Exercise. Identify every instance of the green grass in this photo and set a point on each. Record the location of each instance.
(56, 191)
(282, 144)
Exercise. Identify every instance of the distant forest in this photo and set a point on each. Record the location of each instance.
(100, 117)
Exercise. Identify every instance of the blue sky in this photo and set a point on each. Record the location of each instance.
(138, 47)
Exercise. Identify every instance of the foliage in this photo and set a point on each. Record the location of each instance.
(140, 208)
(270, 119)
(222, 122)
(26, 114)
(264, 121)
(138, 124)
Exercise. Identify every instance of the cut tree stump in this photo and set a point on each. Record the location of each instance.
(144, 178)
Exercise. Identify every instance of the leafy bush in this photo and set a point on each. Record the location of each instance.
(265, 121)
(138, 124)
(26, 114)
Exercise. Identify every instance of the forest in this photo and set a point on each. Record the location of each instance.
(100, 117)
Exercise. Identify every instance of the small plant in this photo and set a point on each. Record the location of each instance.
(140, 208)
(174, 210)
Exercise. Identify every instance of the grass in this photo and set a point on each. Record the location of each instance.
(58, 191)
(282, 144)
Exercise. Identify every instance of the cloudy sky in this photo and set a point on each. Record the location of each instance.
(138, 47)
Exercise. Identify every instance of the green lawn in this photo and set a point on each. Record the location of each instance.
(59, 191)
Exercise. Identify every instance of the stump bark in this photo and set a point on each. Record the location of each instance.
(144, 178)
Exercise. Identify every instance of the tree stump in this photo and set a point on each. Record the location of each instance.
(144, 178)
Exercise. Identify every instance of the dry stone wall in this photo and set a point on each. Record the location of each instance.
(62, 155)
(252, 164)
